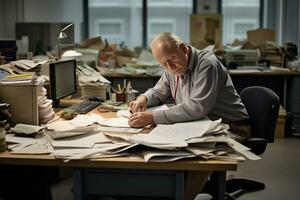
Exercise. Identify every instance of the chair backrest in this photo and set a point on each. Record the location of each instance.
(262, 105)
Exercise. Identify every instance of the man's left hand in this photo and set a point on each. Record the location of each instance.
(140, 119)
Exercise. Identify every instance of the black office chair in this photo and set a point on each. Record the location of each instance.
(262, 105)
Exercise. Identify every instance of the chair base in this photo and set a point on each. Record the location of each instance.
(238, 187)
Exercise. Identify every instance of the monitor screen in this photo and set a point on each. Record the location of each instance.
(62, 80)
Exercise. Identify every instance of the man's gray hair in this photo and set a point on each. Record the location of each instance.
(169, 39)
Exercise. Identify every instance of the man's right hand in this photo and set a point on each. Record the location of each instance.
(139, 105)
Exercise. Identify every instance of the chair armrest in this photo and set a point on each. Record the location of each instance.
(257, 145)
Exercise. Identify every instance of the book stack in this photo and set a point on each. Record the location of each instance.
(22, 78)
(272, 54)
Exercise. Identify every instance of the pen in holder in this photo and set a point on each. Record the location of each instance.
(121, 96)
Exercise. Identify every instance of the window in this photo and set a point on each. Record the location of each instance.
(160, 25)
(121, 20)
(238, 18)
(111, 29)
(116, 20)
(169, 15)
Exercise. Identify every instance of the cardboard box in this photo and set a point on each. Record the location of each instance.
(280, 127)
(91, 91)
(23, 102)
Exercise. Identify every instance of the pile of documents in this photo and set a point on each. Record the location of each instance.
(94, 137)
(273, 54)
(89, 76)
(46, 112)
(22, 72)
(27, 139)
(22, 78)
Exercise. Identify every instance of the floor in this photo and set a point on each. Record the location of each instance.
(279, 170)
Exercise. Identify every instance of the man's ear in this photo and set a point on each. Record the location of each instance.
(183, 48)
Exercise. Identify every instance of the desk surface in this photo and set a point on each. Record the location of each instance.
(118, 163)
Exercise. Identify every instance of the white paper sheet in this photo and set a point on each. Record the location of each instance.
(166, 134)
(85, 141)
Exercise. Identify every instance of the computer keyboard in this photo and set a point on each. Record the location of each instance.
(83, 107)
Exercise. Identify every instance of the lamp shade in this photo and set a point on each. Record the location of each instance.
(62, 35)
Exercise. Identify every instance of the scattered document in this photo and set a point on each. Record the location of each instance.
(119, 129)
(165, 156)
(82, 141)
(85, 120)
(27, 129)
(115, 122)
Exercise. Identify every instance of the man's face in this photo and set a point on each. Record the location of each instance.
(174, 60)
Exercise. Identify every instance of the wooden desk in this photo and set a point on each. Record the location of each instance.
(126, 176)
(130, 176)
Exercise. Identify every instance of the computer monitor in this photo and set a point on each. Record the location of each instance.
(63, 81)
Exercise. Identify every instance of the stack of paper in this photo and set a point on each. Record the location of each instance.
(26, 145)
(94, 145)
(83, 138)
(22, 78)
(204, 138)
(26, 65)
(46, 112)
(27, 129)
(89, 76)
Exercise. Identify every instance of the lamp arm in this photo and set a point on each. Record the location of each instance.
(66, 27)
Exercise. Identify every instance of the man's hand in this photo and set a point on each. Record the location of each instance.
(140, 119)
(139, 105)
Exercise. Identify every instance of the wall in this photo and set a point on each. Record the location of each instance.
(55, 11)
(290, 21)
(12, 11)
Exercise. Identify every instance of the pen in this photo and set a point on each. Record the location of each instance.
(119, 88)
(124, 85)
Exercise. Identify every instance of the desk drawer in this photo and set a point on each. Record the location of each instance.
(132, 183)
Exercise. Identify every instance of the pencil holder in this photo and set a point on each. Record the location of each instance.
(121, 97)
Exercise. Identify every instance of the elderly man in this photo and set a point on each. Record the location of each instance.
(197, 81)
(199, 85)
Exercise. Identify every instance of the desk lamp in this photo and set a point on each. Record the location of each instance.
(62, 35)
